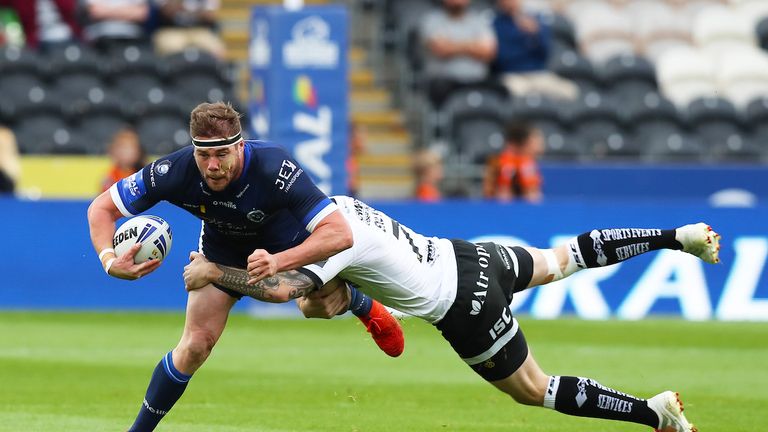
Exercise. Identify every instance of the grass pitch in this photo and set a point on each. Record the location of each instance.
(88, 372)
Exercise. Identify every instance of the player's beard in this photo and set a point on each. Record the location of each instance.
(219, 180)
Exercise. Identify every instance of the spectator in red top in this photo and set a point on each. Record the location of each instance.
(47, 23)
(127, 157)
(429, 173)
(514, 172)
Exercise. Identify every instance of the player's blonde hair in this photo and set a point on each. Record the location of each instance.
(218, 119)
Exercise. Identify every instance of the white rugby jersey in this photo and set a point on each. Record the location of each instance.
(393, 264)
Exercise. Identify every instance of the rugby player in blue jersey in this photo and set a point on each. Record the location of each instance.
(260, 212)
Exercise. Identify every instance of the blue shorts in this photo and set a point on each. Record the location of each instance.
(229, 253)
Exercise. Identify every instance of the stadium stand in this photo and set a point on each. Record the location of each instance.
(75, 70)
(72, 100)
(650, 64)
(686, 74)
(651, 119)
(628, 77)
(474, 123)
(549, 117)
(742, 74)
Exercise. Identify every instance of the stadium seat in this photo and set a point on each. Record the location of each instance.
(579, 70)
(474, 123)
(686, 74)
(719, 30)
(737, 147)
(756, 116)
(74, 70)
(714, 121)
(756, 10)
(195, 89)
(628, 77)
(674, 147)
(598, 125)
(162, 125)
(604, 31)
(743, 75)
(652, 119)
(762, 33)
(401, 17)
(659, 27)
(563, 32)
(18, 88)
(44, 133)
(20, 72)
(20, 61)
(692, 8)
(135, 72)
(550, 117)
(40, 126)
(98, 119)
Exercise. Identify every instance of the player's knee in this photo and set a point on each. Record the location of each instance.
(197, 346)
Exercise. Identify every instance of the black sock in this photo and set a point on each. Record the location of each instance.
(585, 397)
(608, 246)
(165, 388)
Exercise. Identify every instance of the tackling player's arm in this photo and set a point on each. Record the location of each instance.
(280, 288)
(331, 236)
(294, 190)
(102, 215)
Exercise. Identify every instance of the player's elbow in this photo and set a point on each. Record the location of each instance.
(282, 295)
(345, 239)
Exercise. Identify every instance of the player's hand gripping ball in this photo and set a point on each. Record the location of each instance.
(152, 232)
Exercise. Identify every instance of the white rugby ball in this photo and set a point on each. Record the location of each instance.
(153, 232)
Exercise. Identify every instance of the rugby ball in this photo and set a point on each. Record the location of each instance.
(153, 232)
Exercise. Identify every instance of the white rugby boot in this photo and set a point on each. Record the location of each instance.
(669, 408)
(700, 240)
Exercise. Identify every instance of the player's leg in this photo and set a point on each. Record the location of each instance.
(383, 327)
(207, 312)
(585, 397)
(604, 247)
(336, 297)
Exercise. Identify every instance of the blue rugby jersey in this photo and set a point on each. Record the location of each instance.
(273, 205)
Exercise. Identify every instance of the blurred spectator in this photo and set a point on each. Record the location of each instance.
(10, 167)
(523, 53)
(115, 23)
(429, 172)
(188, 23)
(459, 47)
(47, 24)
(357, 139)
(514, 172)
(127, 156)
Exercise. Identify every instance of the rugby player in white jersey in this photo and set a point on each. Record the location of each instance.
(466, 289)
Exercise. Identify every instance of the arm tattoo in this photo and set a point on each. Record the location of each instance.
(282, 287)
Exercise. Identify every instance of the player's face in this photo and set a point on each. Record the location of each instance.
(219, 166)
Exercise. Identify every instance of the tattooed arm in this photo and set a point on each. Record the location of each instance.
(280, 288)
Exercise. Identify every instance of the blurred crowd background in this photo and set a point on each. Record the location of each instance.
(448, 98)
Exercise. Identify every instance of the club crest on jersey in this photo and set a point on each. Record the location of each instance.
(163, 167)
(256, 216)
